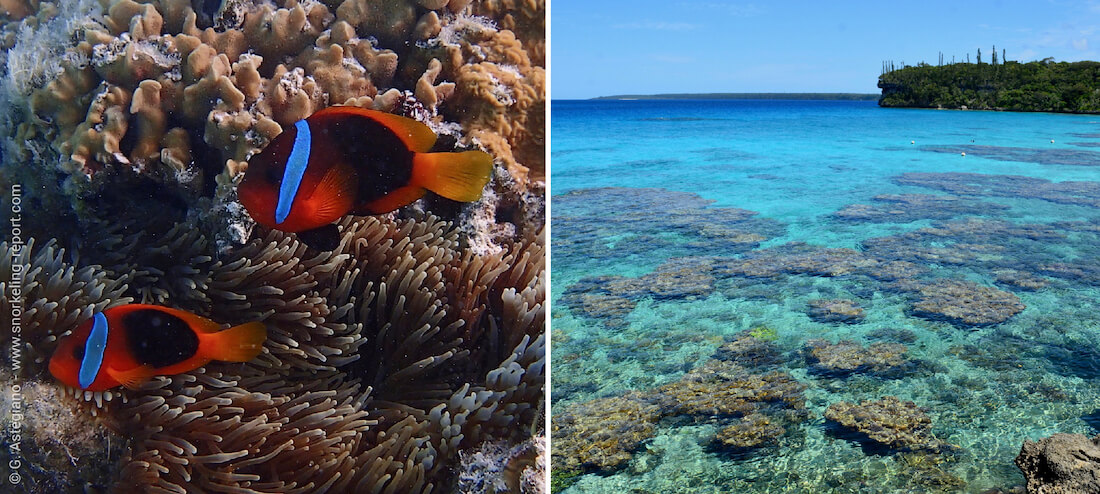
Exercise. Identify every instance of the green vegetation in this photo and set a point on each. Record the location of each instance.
(792, 96)
(1033, 86)
(561, 479)
(764, 333)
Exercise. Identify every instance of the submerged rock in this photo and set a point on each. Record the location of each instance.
(889, 422)
(848, 357)
(752, 431)
(904, 208)
(835, 310)
(751, 349)
(964, 303)
(602, 434)
(1062, 463)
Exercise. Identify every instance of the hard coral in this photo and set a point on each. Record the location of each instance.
(846, 357)
(890, 422)
(964, 303)
(903, 208)
(720, 388)
(183, 95)
(751, 431)
(751, 349)
(602, 434)
(836, 310)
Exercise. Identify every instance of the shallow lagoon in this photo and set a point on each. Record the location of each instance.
(871, 228)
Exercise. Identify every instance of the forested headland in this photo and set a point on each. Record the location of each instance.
(779, 96)
(1034, 86)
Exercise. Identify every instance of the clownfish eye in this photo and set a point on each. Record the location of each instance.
(78, 352)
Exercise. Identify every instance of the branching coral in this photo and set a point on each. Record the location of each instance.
(385, 358)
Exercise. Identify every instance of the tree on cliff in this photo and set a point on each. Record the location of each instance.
(1033, 86)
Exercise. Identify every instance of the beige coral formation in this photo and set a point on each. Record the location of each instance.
(158, 89)
(602, 434)
(385, 358)
(890, 422)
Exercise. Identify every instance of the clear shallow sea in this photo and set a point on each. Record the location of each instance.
(643, 192)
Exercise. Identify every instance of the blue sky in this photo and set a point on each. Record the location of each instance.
(604, 47)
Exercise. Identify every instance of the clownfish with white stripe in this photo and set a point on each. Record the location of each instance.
(347, 160)
(129, 344)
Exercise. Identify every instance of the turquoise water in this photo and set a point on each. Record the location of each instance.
(658, 261)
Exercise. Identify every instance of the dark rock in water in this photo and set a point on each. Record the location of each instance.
(900, 335)
(1093, 419)
(1076, 361)
(905, 208)
(1062, 463)
(1085, 193)
(1068, 157)
(752, 349)
(962, 303)
(889, 422)
(835, 310)
(849, 357)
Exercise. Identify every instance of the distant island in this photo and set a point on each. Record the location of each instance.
(1034, 86)
(794, 96)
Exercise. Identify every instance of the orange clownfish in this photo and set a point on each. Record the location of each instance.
(348, 160)
(129, 344)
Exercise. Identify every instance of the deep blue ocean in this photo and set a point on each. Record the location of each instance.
(948, 258)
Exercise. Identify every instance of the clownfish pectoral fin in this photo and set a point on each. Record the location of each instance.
(456, 176)
(237, 344)
(399, 197)
(324, 238)
(335, 193)
(132, 378)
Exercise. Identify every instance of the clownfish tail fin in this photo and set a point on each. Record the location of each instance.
(237, 344)
(456, 176)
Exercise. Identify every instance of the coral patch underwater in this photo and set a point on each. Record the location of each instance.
(395, 361)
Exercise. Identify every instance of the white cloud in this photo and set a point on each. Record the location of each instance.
(1081, 44)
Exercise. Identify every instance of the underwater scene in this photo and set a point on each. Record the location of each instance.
(273, 246)
(818, 296)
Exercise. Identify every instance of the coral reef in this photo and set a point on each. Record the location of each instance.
(1061, 463)
(928, 469)
(602, 434)
(752, 349)
(889, 422)
(1066, 157)
(418, 338)
(126, 95)
(979, 184)
(751, 431)
(720, 388)
(352, 393)
(847, 357)
(964, 302)
(646, 220)
(835, 310)
(904, 208)
(56, 442)
(754, 409)
(1020, 279)
(495, 467)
